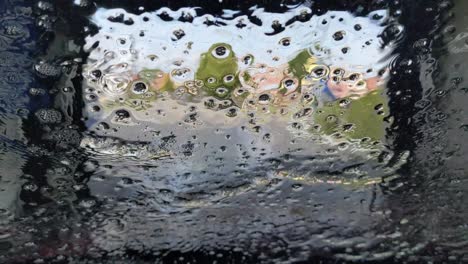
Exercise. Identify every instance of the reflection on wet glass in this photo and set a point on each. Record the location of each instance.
(281, 98)
(299, 75)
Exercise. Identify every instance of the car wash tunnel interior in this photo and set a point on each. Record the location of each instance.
(227, 131)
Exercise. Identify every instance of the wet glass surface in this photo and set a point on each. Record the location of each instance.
(233, 132)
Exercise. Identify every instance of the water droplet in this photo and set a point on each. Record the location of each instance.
(221, 91)
(211, 80)
(36, 91)
(139, 88)
(221, 52)
(344, 102)
(348, 127)
(103, 126)
(30, 187)
(178, 34)
(338, 72)
(87, 203)
(354, 77)
(49, 116)
(296, 187)
(210, 103)
(247, 60)
(228, 78)
(339, 35)
(122, 114)
(264, 99)
(319, 71)
(231, 112)
(96, 74)
(331, 119)
(285, 42)
(95, 108)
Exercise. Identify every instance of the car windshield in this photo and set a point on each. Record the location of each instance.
(233, 131)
